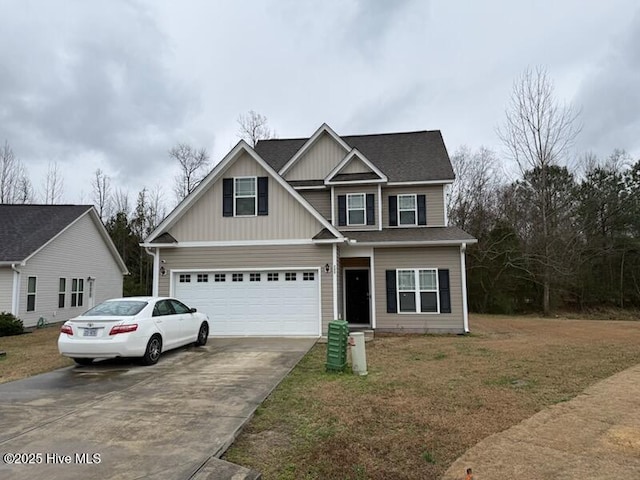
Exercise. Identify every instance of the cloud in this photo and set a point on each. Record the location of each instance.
(92, 79)
(610, 97)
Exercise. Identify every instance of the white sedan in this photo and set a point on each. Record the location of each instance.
(132, 327)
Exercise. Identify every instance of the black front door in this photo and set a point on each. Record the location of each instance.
(356, 290)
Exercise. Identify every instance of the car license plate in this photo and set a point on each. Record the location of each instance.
(90, 332)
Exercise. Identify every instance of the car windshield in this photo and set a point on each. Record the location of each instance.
(119, 308)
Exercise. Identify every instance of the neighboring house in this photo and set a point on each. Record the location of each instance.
(56, 261)
(283, 238)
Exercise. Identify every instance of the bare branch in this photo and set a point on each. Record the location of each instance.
(254, 127)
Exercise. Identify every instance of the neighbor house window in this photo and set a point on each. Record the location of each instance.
(77, 292)
(203, 278)
(245, 197)
(62, 289)
(407, 209)
(418, 290)
(31, 294)
(356, 214)
(272, 277)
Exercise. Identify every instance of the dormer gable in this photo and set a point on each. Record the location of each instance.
(355, 168)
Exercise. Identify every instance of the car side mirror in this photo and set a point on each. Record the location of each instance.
(193, 310)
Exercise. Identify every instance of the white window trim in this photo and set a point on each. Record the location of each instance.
(364, 209)
(417, 290)
(414, 209)
(34, 293)
(62, 292)
(254, 196)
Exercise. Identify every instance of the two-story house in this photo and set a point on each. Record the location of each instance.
(283, 238)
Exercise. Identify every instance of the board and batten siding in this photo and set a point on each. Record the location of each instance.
(435, 202)
(6, 289)
(276, 257)
(344, 190)
(320, 200)
(316, 163)
(355, 165)
(431, 257)
(204, 221)
(79, 252)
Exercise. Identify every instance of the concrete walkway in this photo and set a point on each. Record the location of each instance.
(171, 420)
(596, 435)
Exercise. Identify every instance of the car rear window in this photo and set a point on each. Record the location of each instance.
(124, 308)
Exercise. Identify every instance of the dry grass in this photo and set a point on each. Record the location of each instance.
(31, 354)
(427, 399)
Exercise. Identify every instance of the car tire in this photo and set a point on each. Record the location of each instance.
(83, 361)
(153, 350)
(203, 335)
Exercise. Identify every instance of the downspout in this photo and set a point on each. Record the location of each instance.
(15, 293)
(334, 269)
(155, 289)
(463, 275)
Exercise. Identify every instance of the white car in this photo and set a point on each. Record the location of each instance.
(132, 327)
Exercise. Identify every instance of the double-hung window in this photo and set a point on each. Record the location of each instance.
(77, 292)
(407, 209)
(62, 290)
(31, 293)
(418, 290)
(245, 196)
(356, 209)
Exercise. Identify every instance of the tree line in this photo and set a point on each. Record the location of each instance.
(561, 233)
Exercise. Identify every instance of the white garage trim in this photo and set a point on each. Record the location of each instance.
(175, 273)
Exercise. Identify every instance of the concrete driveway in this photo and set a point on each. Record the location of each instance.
(118, 420)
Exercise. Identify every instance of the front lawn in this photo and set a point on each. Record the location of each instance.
(427, 399)
(30, 354)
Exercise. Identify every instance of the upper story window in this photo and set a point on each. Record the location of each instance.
(245, 196)
(356, 211)
(407, 209)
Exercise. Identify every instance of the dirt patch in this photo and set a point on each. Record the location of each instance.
(427, 399)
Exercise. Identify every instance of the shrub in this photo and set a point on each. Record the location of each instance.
(10, 325)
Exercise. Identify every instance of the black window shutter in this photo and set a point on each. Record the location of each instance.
(393, 211)
(227, 197)
(422, 209)
(263, 195)
(392, 304)
(445, 293)
(342, 210)
(371, 215)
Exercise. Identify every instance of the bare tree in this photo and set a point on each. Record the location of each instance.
(121, 203)
(193, 168)
(101, 184)
(15, 186)
(53, 184)
(156, 207)
(254, 127)
(24, 190)
(537, 133)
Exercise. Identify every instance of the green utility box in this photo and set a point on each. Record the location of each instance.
(337, 338)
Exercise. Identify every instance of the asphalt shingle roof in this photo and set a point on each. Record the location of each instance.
(402, 157)
(26, 228)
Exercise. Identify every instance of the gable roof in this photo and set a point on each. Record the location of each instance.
(402, 157)
(214, 175)
(335, 175)
(26, 229)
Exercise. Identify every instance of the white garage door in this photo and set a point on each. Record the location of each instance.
(259, 303)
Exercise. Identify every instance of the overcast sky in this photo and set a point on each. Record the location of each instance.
(114, 84)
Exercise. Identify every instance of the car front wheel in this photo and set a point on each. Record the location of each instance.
(203, 335)
(153, 351)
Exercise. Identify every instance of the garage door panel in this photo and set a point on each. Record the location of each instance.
(259, 307)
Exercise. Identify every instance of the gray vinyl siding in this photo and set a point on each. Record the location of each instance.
(302, 256)
(79, 252)
(412, 257)
(356, 189)
(322, 157)
(320, 200)
(6, 289)
(435, 202)
(287, 218)
(355, 165)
